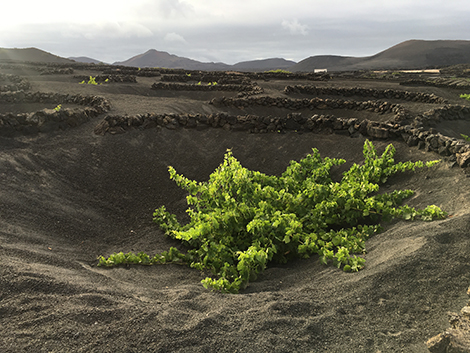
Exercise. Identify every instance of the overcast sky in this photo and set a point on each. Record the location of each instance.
(228, 31)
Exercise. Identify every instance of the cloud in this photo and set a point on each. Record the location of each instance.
(295, 27)
(106, 30)
(175, 7)
(173, 11)
(238, 31)
(174, 38)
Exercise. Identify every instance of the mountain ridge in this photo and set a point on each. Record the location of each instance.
(31, 55)
(155, 58)
(411, 54)
(85, 59)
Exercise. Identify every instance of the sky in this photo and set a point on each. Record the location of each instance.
(228, 31)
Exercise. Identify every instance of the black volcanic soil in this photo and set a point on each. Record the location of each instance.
(70, 196)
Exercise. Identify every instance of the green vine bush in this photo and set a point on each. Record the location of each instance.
(92, 81)
(242, 220)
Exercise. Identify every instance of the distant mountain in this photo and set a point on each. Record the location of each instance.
(421, 53)
(330, 62)
(30, 54)
(412, 54)
(85, 59)
(155, 58)
(264, 65)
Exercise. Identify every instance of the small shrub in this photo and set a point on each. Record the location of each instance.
(242, 220)
(92, 81)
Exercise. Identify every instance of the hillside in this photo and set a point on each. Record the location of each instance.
(155, 58)
(330, 62)
(85, 59)
(31, 55)
(264, 64)
(412, 54)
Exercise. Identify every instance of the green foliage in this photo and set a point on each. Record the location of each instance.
(279, 71)
(465, 96)
(171, 256)
(241, 220)
(465, 137)
(92, 81)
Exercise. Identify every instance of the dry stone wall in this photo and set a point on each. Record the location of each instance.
(455, 83)
(366, 92)
(16, 83)
(455, 339)
(126, 70)
(109, 78)
(220, 79)
(375, 106)
(55, 71)
(251, 123)
(276, 75)
(48, 120)
(447, 112)
(244, 90)
(456, 150)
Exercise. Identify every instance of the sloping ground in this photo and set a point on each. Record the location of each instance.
(84, 59)
(70, 196)
(264, 64)
(422, 54)
(412, 54)
(31, 55)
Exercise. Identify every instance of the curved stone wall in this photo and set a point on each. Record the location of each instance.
(270, 75)
(220, 79)
(126, 70)
(47, 120)
(447, 112)
(460, 83)
(312, 103)
(110, 78)
(457, 150)
(17, 83)
(244, 90)
(367, 92)
(55, 71)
